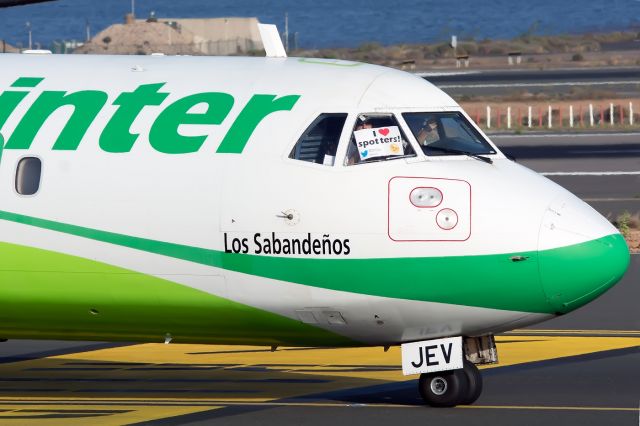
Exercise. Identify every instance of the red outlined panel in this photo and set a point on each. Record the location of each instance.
(408, 222)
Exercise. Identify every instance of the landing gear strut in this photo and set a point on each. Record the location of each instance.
(453, 387)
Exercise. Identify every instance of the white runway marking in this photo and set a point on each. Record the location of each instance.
(606, 151)
(445, 73)
(608, 200)
(613, 173)
(569, 83)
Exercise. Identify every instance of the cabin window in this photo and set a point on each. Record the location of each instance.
(377, 137)
(318, 144)
(28, 175)
(447, 133)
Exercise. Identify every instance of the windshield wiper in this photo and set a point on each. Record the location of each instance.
(384, 158)
(457, 151)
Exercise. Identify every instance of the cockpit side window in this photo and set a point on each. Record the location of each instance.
(377, 137)
(318, 144)
(446, 133)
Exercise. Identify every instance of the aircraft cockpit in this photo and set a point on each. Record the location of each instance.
(375, 137)
(446, 133)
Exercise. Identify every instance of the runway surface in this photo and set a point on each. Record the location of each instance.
(622, 81)
(602, 168)
(535, 76)
(581, 368)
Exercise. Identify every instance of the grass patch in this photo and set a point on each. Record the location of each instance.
(625, 222)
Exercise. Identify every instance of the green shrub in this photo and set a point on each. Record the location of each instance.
(623, 223)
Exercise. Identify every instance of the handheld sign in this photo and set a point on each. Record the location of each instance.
(379, 142)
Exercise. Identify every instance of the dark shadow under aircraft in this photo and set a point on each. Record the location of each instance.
(8, 3)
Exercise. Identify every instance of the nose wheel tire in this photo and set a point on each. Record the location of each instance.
(475, 383)
(451, 388)
(444, 388)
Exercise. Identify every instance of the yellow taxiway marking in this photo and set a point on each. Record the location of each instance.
(81, 414)
(522, 349)
(151, 381)
(547, 407)
(579, 332)
(512, 350)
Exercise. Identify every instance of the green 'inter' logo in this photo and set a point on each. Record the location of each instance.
(116, 136)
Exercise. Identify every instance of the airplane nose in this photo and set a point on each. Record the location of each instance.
(581, 255)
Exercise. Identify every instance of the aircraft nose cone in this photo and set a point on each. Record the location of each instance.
(581, 255)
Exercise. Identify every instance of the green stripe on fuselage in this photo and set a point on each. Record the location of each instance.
(489, 281)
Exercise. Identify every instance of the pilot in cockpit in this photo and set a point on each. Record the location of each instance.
(428, 134)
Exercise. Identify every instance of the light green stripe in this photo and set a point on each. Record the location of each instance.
(329, 62)
(48, 295)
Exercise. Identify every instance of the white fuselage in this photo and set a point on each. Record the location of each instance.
(141, 209)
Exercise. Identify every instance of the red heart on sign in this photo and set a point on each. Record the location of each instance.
(384, 132)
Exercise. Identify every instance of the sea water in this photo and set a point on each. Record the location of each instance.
(335, 23)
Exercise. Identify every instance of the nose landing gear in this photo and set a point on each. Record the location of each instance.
(448, 366)
(451, 388)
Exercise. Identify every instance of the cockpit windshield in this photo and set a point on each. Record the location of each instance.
(446, 133)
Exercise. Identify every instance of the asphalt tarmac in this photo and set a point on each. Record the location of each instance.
(621, 81)
(535, 76)
(580, 368)
(601, 168)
